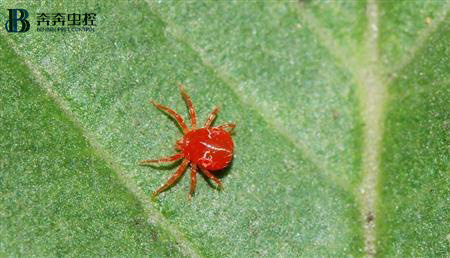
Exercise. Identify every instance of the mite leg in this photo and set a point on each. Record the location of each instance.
(189, 104)
(173, 114)
(173, 179)
(211, 117)
(211, 176)
(229, 126)
(161, 160)
(193, 180)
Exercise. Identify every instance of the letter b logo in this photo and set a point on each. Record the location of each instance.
(11, 24)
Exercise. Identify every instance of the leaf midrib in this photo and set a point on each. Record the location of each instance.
(373, 112)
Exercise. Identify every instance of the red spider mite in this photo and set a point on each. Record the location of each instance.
(207, 148)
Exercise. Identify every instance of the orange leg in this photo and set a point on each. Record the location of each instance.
(193, 180)
(165, 159)
(189, 104)
(211, 117)
(173, 114)
(211, 176)
(229, 126)
(173, 179)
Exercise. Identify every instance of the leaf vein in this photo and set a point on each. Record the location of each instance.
(153, 214)
(250, 102)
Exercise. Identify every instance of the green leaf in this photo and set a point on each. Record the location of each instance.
(341, 138)
(58, 195)
(414, 184)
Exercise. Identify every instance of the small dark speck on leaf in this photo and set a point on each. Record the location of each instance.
(370, 217)
(138, 221)
(154, 235)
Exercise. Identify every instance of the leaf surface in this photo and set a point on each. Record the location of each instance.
(317, 90)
